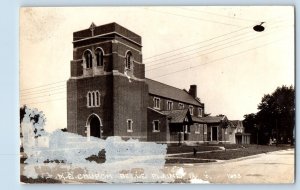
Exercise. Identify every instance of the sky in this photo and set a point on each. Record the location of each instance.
(213, 47)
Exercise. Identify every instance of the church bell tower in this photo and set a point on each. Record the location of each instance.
(106, 92)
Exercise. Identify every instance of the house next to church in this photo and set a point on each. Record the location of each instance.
(108, 94)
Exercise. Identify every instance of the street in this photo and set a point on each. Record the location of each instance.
(274, 167)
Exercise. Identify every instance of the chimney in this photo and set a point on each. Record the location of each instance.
(193, 90)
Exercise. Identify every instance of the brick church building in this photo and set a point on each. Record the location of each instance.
(108, 94)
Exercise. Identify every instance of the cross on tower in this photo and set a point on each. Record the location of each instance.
(92, 28)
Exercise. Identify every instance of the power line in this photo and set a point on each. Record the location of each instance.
(43, 96)
(241, 52)
(150, 65)
(42, 85)
(146, 58)
(63, 86)
(203, 53)
(196, 43)
(211, 13)
(46, 101)
(40, 91)
(210, 39)
(196, 18)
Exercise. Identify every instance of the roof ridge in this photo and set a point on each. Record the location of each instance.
(167, 85)
(175, 88)
(156, 110)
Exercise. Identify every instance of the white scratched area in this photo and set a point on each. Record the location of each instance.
(128, 161)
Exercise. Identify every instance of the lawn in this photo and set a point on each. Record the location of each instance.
(175, 160)
(232, 154)
(185, 149)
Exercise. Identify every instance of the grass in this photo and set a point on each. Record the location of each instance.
(186, 161)
(232, 154)
(185, 149)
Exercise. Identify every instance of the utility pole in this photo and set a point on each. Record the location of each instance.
(256, 133)
(276, 132)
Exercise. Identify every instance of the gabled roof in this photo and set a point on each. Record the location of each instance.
(170, 92)
(209, 119)
(236, 123)
(177, 116)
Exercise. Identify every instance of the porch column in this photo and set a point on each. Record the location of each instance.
(168, 137)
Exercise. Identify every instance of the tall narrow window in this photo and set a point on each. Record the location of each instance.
(89, 99)
(156, 103)
(155, 126)
(200, 112)
(93, 98)
(128, 61)
(169, 105)
(97, 99)
(88, 58)
(99, 57)
(129, 125)
(197, 129)
(191, 108)
(187, 129)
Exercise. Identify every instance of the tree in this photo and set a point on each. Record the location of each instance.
(275, 118)
(251, 127)
(277, 114)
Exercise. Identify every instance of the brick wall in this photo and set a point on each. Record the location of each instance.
(129, 102)
(163, 126)
(78, 111)
(164, 104)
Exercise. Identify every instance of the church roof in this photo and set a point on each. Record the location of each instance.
(170, 92)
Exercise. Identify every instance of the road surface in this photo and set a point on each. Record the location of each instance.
(273, 167)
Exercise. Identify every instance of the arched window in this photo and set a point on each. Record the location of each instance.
(88, 58)
(97, 99)
(99, 57)
(93, 98)
(89, 99)
(128, 61)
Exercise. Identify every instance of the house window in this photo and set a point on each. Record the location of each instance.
(187, 129)
(93, 99)
(225, 131)
(99, 57)
(128, 61)
(169, 105)
(191, 108)
(156, 103)
(181, 106)
(155, 126)
(200, 112)
(197, 129)
(205, 129)
(129, 125)
(88, 58)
